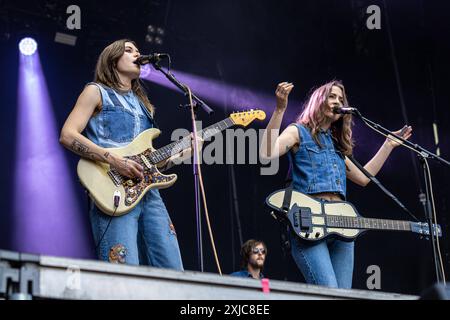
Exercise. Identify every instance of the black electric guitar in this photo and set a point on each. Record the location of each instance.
(312, 219)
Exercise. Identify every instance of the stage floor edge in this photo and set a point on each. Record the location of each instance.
(74, 279)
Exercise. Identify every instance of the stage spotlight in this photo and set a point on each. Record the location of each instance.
(39, 226)
(27, 46)
(149, 39)
(160, 31)
(155, 35)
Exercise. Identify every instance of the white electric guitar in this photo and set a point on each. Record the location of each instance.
(312, 219)
(115, 194)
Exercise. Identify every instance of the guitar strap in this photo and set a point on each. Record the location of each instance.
(287, 197)
(284, 225)
(378, 183)
(288, 185)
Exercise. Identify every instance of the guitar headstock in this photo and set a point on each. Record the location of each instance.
(244, 118)
(423, 229)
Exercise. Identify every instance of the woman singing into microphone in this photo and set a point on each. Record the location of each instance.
(111, 112)
(318, 145)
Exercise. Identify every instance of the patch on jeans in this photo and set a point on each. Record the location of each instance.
(172, 229)
(117, 254)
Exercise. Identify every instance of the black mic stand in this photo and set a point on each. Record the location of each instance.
(426, 200)
(196, 102)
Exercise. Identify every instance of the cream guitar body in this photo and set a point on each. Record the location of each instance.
(115, 194)
(104, 183)
(312, 219)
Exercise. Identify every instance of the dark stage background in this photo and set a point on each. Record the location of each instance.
(257, 44)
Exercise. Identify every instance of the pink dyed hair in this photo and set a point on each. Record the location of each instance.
(313, 117)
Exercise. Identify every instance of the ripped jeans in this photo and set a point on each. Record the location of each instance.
(144, 236)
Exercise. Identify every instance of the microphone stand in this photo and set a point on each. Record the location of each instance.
(425, 199)
(194, 107)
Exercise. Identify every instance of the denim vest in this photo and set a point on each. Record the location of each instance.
(316, 169)
(121, 119)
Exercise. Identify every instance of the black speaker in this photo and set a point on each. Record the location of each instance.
(436, 292)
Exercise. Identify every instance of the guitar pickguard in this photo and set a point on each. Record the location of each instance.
(135, 188)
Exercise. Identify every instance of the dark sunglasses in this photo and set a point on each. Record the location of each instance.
(259, 250)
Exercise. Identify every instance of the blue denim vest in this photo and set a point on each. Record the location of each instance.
(318, 169)
(121, 119)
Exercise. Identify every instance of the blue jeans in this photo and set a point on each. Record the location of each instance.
(143, 236)
(328, 262)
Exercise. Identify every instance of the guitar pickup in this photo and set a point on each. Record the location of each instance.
(301, 218)
(145, 161)
(306, 219)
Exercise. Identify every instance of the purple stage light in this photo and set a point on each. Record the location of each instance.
(28, 46)
(145, 71)
(223, 94)
(47, 218)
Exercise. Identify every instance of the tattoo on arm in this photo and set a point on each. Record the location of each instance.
(79, 148)
(83, 150)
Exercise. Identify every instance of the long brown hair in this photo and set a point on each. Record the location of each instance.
(106, 71)
(313, 116)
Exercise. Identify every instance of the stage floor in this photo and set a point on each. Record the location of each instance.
(45, 277)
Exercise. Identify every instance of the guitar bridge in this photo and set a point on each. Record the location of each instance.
(146, 161)
(115, 177)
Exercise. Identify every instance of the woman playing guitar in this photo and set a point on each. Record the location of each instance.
(318, 145)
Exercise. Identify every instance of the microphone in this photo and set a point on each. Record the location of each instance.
(150, 58)
(344, 110)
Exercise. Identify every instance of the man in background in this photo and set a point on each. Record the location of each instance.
(253, 255)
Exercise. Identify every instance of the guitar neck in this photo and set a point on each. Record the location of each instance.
(167, 151)
(367, 223)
